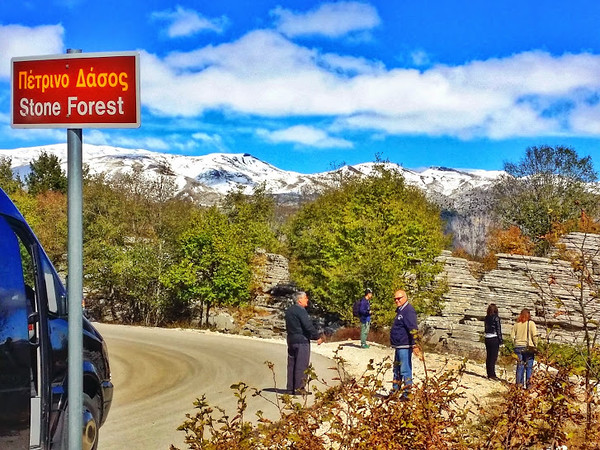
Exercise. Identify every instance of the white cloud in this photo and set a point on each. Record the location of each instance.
(186, 22)
(304, 135)
(148, 142)
(97, 137)
(212, 141)
(18, 40)
(420, 58)
(351, 65)
(330, 19)
(264, 74)
(170, 142)
(586, 120)
(32, 134)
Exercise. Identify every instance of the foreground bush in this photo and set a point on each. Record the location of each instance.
(357, 413)
(361, 414)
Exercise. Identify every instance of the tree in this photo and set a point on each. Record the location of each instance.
(549, 185)
(46, 175)
(372, 232)
(213, 267)
(131, 229)
(8, 182)
(254, 217)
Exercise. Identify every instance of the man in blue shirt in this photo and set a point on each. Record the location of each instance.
(403, 337)
(364, 314)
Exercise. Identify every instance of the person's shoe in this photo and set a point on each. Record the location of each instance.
(365, 346)
(302, 392)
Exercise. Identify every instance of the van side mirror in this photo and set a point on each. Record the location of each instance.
(33, 318)
(63, 306)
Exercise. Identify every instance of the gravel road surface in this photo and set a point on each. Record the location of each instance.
(158, 373)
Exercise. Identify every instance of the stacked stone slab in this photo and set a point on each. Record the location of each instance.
(549, 287)
(274, 296)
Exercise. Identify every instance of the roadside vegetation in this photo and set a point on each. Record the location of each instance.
(360, 413)
(152, 257)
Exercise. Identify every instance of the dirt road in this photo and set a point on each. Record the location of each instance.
(158, 373)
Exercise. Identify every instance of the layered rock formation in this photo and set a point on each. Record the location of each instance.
(559, 291)
(274, 295)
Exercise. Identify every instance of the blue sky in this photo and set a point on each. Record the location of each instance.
(307, 85)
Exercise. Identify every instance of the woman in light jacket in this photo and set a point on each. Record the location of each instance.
(524, 334)
(493, 339)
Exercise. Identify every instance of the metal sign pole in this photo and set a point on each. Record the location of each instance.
(75, 283)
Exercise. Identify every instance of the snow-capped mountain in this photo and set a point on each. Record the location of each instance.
(209, 176)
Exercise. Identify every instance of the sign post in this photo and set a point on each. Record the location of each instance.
(75, 282)
(75, 91)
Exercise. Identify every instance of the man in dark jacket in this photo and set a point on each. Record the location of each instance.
(403, 339)
(300, 331)
(364, 314)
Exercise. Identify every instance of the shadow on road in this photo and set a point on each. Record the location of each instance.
(276, 390)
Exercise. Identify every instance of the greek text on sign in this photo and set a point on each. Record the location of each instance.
(76, 90)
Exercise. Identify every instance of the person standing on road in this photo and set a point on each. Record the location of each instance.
(493, 340)
(364, 315)
(300, 331)
(524, 335)
(403, 338)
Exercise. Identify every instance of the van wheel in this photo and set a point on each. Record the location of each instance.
(91, 416)
(91, 423)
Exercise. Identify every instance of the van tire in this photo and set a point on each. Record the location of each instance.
(91, 415)
(91, 422)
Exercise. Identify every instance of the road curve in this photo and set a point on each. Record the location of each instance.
(158, 373)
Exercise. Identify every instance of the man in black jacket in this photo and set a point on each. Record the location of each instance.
(300, 331)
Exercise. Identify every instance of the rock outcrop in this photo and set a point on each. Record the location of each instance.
(274, 292)
(555, 289)
(558, 290)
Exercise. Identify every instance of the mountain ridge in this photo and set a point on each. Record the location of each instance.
(216, 174)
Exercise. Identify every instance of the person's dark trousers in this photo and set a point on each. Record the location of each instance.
(298, 360)
(492, 345)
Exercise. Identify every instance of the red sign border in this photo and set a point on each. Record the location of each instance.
(66, 56)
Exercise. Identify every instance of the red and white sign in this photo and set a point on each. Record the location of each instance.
(76, 90)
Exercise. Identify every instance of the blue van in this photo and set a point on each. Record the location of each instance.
(33, 347)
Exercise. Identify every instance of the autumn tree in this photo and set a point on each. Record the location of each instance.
(375, 232)
(511, 241)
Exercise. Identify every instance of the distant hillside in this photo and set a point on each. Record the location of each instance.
(461, 194)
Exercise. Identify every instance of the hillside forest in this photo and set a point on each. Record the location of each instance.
(152, 257)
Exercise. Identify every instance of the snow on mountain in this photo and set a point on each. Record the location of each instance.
(440, 180)
(218, 173)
